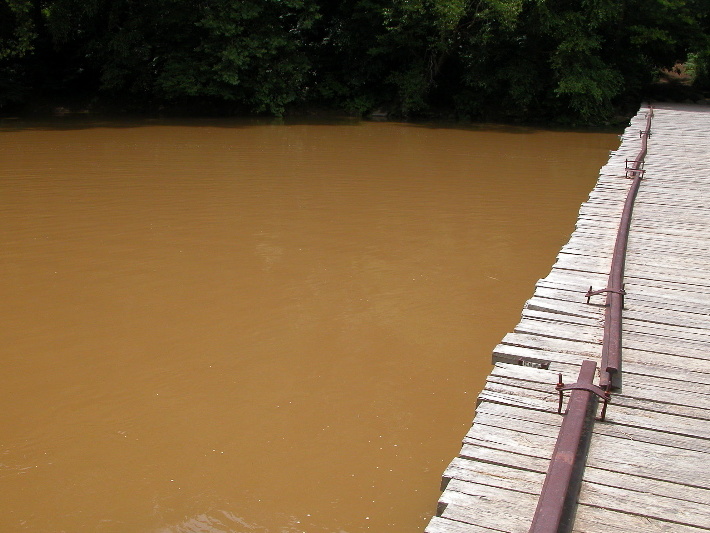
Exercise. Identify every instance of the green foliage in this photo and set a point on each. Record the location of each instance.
(17, 32)
(253, 51)
(552, 58)
(512, 59)
(698, 64)
(419, 36)
(179, 51)
(17, 41)
(584, 79)
(698, 67)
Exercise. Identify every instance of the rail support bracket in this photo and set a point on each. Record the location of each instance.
(603, 394)
(635, 169)
(621, 291)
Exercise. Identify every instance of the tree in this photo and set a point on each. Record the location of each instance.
(504, 59)
(251, 51)
(17, 37)
(553, 58)
(176, 52)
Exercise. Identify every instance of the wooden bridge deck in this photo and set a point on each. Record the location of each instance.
(649, 462)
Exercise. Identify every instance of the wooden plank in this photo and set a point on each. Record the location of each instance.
(595, 520)
(624, 486)
(636, 396)
(647, 388)
(511, 511)
(650, 355)
(684, 258)
(649, 460)
(497, 475)
(657, 506)
(688, 277)
(586, 333)
(502, 415)
(650, 367)
(494, 475)
(544, 315)
(620, 414)
(497, 456)
(645, 316)
(444, 525)
(489, 507)
(666, 330)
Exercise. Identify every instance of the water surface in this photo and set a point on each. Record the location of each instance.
(213, 326)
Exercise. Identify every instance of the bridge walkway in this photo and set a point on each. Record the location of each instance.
(647, 467)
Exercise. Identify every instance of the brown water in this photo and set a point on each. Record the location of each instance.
(222, 326)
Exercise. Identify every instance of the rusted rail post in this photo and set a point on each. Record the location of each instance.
(555, 509)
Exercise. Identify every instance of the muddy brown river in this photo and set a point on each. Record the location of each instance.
(225, 326)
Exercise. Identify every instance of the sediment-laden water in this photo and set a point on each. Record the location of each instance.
(213, 326)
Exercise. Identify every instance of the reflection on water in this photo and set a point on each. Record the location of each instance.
(217, 522)
(220, 326)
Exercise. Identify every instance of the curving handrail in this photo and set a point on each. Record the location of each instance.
(611, 348)
(556, 506)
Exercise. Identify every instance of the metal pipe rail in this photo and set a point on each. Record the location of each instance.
(611, 348)
(557, 504)
(555, 510)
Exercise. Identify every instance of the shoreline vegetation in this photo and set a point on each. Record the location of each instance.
(509, 61)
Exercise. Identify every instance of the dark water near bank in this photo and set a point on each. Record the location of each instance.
(224, 326)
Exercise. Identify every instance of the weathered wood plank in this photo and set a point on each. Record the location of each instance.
(444, 525)
(647, 317)
(622, 415)
(490, 507)
(511, 511)
(511, 478)
(647, 388)
(580, 350)
(593, 334)
(645, 299)
(662, 376)
(627, 490)
(636, 396)
(507, 416)
(652, 505)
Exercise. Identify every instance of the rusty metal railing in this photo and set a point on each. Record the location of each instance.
(555, 510)
(611, 348)
(558, 498)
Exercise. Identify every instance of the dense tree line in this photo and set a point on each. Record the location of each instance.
(534, 59)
